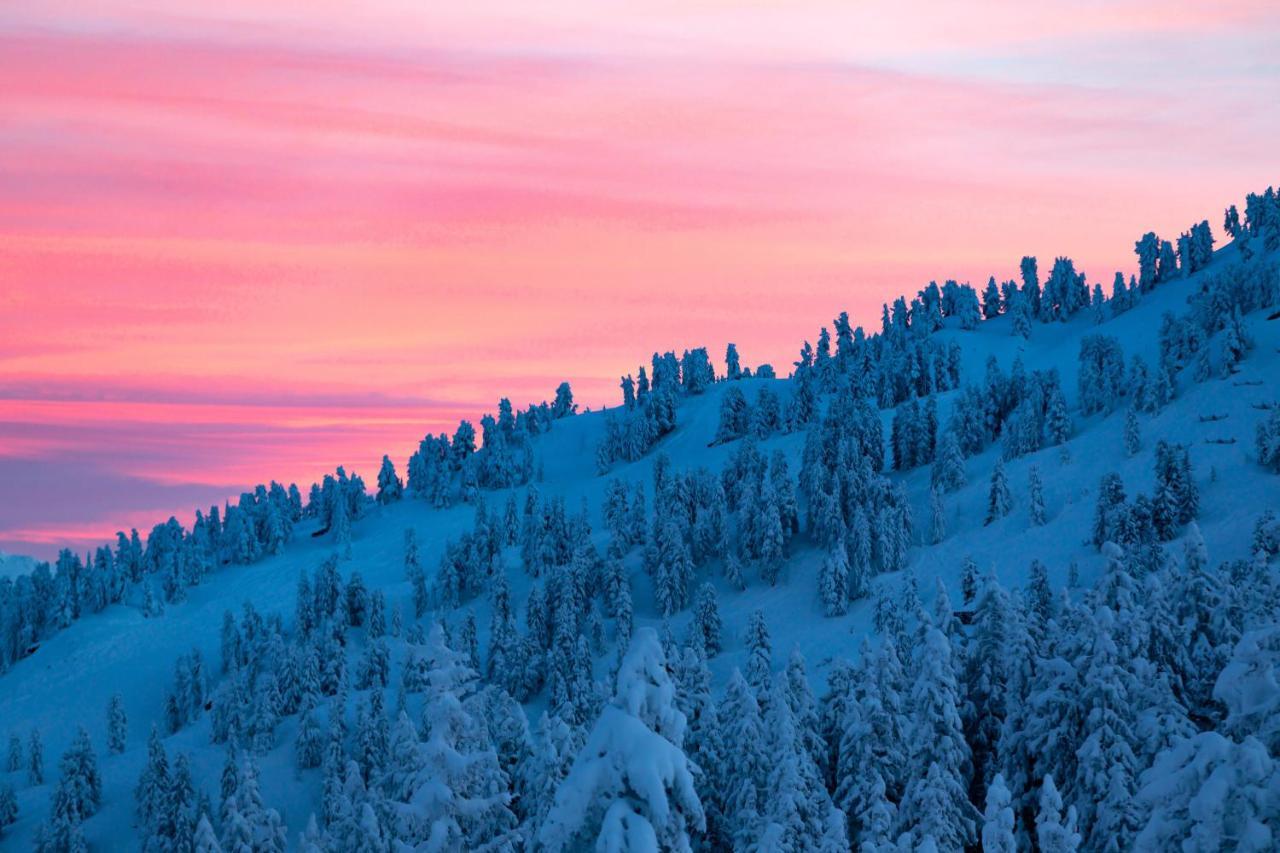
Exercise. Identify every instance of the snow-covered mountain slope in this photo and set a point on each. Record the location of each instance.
(68, 681)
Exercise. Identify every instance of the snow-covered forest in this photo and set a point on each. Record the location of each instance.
(1000, 574)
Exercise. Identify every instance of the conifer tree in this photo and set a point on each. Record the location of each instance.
(390, 487)
(759, 653)
(833, 580)
(341, 526)
(631, 785)
(153, 783)
(999, 501)
(1054, 833)
(8, 807)
(1107, 769)
(35, 759)
(205, 841)
(117, 725)
(1132, 433)
(938, 517)
(1035, 496)
(997, 821)
(309, 747)
(744, 774)
(674, 569)
(935, 802)
(706, 620)
(79, 787)
(968, 580)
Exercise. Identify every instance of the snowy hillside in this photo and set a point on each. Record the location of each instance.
(892, 646)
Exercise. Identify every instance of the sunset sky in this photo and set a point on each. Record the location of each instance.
(252, 240)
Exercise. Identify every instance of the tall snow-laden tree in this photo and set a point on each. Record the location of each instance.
(706, 620)
(997, 820)
(948, 468)
(1035, 496)
(8, 807)
(991, 301)
(631, 787)
(735, 416)
(117, 725)
(935, 802)
(759, 654)
(35, 759)
(733, 364)
(999, 501)
(1132, 433)
(833, 580)
(1207, 793)
(563, 405)
(1101, 376)
(79, 789)
(447, 788)
(799, 813)
(1055, 832)
(1107, 768)
(743, 775)
(390, 487)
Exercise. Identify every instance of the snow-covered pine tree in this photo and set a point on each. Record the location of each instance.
(1107, 768)
(706, 620)
(340, 524)
(674, 569)
(935, 802)
(991, 302)
(1132, 433)
(997, 820)
(744, 772)
(79, 789)
(1055, 833)
(968, 580)
(759, 654)
(311, 739)
(205, 840)
(833, 580)
(1209, 793)
(8, 807)
(631, 786)
(35, 759)
(999, 501)
(735, 416)
(390, 487)
(937, 517)
(117, 725)
(1035, 496)
(799, 813)
(986, 678)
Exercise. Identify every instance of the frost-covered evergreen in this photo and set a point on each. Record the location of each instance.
(1055, 832)
(631, 786)
(1035, 496)
(706, 620)
(935, 802)
(117, 725)
(999, 500)
(390, 487)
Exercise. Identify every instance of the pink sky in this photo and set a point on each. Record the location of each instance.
(294, 235)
